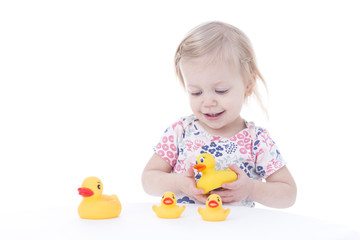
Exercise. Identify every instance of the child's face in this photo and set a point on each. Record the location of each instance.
(217, 93)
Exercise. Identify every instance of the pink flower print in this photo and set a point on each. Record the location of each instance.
(158, 146)
(250, 158)
(233, 138)
(171, 138)
(246, 133)
(240, 136)
(276, 164)
(246, 140)
(189, 144)
(170, 155)
(173, 147)
(165, 147)
(161, 153)
(261, 151)
(165, 139)
(199, 143)
(178, 123)
(240, 143)
(215, 138)
(243, 150)
(271, 146)
(168, 160)
(265, 137)
(269, 170)
(178, 168)
(248, 146)
(252, 131)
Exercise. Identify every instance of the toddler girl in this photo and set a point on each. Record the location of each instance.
(216, 65)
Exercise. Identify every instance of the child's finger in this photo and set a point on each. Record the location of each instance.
(236, 169)
(228, 199)
(222, 193)
(201, 198)
(230, 186)
(226, 186)
(190, 172)
(198, 191)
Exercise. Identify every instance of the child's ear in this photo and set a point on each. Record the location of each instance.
(250, 85)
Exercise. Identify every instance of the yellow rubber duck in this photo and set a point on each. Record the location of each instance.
(168, 208)
(214, 210)
(212, 179)
(94, 204)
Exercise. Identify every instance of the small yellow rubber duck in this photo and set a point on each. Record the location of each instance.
(168, 208)
(214, 210)
(212, 179)
(94, 204)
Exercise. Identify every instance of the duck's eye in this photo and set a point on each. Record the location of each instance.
(202, 159)
(99, 187)
(173, 196)
(196, 162)
(218, 199)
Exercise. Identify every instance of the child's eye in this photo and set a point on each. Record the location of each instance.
(196, 93)
(221, 91)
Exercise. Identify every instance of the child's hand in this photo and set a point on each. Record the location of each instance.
(237, 190)
(187, 185)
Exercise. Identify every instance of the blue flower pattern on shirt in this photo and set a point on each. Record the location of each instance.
(213, 149)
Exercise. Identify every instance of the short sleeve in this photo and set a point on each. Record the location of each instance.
(167, 147)
(267, 155)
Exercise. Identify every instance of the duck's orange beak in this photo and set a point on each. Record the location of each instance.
(200, 167)
(168, 201)
(213, 204)
(85, 192)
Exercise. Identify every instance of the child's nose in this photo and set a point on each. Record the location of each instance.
(209, 100)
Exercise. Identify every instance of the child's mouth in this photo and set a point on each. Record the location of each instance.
(213, 116)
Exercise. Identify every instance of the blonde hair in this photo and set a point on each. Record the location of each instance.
(221, 42)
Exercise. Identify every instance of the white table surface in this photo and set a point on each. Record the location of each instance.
(138, 220)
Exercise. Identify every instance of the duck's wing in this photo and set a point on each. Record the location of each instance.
(155, 208)
(182, 208)
(227, 211)
(109, 198)
(229, 175)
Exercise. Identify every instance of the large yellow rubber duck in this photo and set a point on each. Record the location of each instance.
(94, 204)
(214, 210)
(168, 208)
(212, 179)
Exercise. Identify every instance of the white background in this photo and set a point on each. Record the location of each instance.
(88, 87)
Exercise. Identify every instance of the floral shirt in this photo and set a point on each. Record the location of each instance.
(251, 149)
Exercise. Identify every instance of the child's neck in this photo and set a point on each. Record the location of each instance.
(229, 130)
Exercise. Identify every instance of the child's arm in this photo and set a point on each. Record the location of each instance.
(279, 190)
(157, 179)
